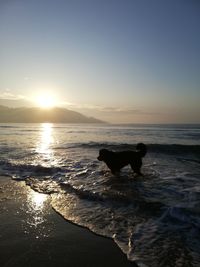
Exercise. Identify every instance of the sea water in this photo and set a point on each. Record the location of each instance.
(154, 218)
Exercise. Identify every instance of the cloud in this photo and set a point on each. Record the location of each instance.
(7, 95)
(9, 99)
(119, 110)
(117, 114)
(115, 110)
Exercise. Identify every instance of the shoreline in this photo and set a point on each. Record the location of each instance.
(33, 234)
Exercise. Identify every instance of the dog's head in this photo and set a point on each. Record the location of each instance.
(103, 153)
(141, 149)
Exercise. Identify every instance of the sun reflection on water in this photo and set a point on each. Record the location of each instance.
(36, 208)
(44, 146)
(37, 200)
(46, 138)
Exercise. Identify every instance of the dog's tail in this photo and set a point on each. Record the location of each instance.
(141, 149)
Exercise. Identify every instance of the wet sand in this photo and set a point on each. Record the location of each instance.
(33, 234)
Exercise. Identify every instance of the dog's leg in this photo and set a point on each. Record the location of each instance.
(114, 171)
(136, 166)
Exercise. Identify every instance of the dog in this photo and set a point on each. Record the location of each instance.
(117, 160)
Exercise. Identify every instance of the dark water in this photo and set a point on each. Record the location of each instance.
(154, 219)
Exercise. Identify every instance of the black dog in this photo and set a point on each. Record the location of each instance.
(117, 160)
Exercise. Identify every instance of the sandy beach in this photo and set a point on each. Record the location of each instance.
(33, 234)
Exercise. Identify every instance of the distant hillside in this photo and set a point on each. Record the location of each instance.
(38, 115)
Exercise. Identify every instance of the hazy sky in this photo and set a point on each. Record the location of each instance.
(121, 61)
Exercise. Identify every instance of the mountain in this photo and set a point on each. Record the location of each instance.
(39, 115)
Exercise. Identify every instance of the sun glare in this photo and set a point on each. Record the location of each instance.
(45, 101)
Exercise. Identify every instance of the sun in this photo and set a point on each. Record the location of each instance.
(45, 101)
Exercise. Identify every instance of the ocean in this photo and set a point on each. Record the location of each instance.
(154, 219)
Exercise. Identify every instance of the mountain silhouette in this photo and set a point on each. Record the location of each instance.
(39, 115)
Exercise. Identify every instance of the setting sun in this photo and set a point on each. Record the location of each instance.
(45, 101)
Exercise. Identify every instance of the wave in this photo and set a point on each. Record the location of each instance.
(139, 229)
(159, 148)
(9, 126)
(112, 198)
(174, 148)
(25, 170)
(30, 130)
(147, 217)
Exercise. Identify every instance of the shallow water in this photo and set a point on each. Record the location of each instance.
(154, 219)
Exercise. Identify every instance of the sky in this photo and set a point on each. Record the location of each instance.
(122, 61)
